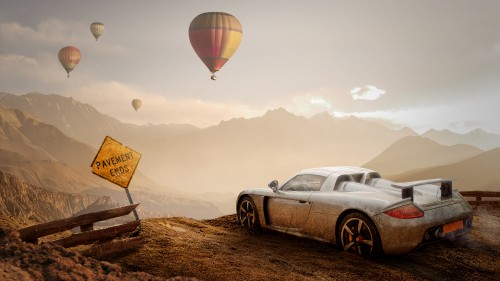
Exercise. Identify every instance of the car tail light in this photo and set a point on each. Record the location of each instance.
(409, 211)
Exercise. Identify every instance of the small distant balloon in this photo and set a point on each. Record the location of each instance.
(136, 103)
(215, 36)
(69, 57)
(97, 29)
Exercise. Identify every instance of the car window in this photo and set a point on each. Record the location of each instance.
(341, 179)
(357, 177)
(304, 183)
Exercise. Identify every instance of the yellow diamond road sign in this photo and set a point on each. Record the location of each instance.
(115, 162)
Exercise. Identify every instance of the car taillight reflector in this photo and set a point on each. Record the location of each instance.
(409, 211)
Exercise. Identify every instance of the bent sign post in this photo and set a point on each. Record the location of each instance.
(116, 163)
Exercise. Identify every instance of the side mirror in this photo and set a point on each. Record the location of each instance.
(273, 185)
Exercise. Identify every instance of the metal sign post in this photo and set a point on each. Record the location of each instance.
(131, 203)
(116, 163)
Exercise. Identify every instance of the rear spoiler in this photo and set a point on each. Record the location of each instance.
(407, 187)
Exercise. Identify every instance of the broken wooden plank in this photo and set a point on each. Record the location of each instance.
(87, 227)
(33, 232)
(101, 250)
(88, 237)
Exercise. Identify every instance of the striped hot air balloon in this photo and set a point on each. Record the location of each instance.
(69, 57)
(215, 36)
(97, 29)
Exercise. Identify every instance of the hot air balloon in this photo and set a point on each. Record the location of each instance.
(97, 29)
(215, 36)
(69, 57)
(136, 103)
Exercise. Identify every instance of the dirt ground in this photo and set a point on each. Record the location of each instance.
(221, 249)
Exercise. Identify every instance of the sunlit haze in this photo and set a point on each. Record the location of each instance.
(421, 64)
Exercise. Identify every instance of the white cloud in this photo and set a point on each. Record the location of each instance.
(308, 104)
(368, 92)
(451, 116)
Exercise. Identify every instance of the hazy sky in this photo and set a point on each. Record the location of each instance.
(420, 64)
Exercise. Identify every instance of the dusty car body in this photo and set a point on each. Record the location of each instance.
(357, 210)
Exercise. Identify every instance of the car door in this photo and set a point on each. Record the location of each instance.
(290, 207)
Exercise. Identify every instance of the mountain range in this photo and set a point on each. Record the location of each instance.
(477, 137)
(41, 155)
(50, 141)
(416, 152)
(83, 122)
(479, 172)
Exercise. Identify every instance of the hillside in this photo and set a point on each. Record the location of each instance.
(479, 172)
(24, 261)
(41, 155)
(44, 156)
(83, 122)
(221, 249)
(226, 158)
(31, 203)
(13, 140)
(416, 152)
(478, 138)
(242, 153)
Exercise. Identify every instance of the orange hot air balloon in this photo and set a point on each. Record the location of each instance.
(69, 57)
(215, 36)
(136, 103)
(97, 29)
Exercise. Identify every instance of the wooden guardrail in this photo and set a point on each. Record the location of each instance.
(88, 235)
(479, 197)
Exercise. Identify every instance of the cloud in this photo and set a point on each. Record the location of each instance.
(114, 99)
(51, 31)
(52, 34)
(40, 71)
(308, 104)
(7, 61)
(368, 92)
(449, 116)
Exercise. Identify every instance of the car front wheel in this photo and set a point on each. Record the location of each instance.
(247, 214)
(359, 235)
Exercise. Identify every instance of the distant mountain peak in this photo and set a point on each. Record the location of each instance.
(478, 131)
(277, 111)
(322, 116)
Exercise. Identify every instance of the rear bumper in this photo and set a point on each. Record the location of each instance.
(400, 236)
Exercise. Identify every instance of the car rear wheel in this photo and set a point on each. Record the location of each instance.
(359, 235)
(247, 214)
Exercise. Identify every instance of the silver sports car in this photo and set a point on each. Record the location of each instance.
(357, 210)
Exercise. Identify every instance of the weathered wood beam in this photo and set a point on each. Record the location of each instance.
(485, 203)
(480, 193)
(33, 232)
(109, 248)
(89, 237)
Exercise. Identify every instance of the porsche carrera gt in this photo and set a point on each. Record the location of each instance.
(357, 210)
